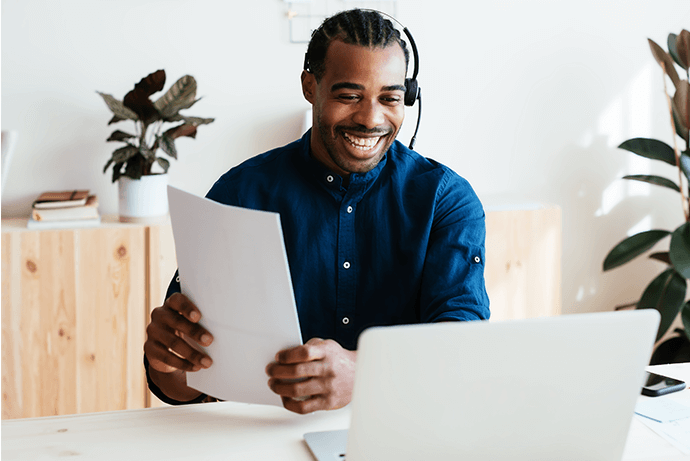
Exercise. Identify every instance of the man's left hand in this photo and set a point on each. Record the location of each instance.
(318, 375)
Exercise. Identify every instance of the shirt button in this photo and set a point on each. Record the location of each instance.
(346, 265)
(177, 279)
(346, 320)
(349, 209)
(329, 178)
(477, 259)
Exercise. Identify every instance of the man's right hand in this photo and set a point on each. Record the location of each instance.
(167, 349)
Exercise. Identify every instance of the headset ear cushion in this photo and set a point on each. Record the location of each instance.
(411, 91)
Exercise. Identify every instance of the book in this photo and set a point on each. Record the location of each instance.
(34, 225)
(87, 211)
(67, 198)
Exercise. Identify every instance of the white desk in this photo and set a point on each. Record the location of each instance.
(225, 431)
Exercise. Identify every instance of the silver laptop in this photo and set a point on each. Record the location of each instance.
(556, 388)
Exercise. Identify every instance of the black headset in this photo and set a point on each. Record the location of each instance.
(413, 92)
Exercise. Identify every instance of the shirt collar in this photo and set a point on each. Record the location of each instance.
(331, 181)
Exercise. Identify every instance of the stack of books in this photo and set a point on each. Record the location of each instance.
(65, 209)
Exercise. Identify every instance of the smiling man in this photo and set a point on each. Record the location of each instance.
(375, 233)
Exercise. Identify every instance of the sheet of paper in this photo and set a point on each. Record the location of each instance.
(662, 410)
(233, 266)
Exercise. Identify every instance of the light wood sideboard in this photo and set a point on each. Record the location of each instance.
(75, 305)
(76, 302)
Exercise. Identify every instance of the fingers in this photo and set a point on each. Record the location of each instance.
(173, 335)
(309, 405)
(314, 349)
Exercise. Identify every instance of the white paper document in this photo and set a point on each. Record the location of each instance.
(233, 266)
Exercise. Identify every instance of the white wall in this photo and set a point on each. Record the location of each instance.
(526, 99)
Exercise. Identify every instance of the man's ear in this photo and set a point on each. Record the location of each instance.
(308, 86)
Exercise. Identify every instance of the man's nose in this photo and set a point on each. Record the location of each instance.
(369, 114)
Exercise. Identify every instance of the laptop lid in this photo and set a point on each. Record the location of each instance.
(538, 389)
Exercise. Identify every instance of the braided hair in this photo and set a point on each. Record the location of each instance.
(355, 27)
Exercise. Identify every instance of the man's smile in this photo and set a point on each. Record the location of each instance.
(363, 144)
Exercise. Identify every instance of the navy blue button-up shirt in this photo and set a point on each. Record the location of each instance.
(400, 244)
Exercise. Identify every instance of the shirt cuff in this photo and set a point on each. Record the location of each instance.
(159, 393)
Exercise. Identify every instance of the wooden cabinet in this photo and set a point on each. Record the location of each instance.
(523, 261)
(75, 304)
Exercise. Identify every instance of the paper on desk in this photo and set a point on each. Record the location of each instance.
(233, 266)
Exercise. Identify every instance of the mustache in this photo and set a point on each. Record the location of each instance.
(365, 131)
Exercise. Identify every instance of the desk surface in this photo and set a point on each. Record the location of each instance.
(229, 431)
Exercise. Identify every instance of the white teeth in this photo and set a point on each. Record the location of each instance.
(361, 143)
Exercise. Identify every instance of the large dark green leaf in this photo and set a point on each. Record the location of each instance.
(685, 317)
(117, 171)
(681, 102)
(680, 250)
(681, 130)
(666, 294)
(664, 61)
(118, 108)
(190, 120)
(168, 145)
(650, 148)
(672, 50)
(118, 135)
(180, 96)
(124, 153)
(163, 163)
(683, 49)
(685, 163)
(632, 247)
(138, 99)
(657, 180)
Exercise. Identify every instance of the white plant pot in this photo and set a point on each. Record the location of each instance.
(143, 200)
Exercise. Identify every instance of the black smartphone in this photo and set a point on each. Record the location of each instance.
(656, 385)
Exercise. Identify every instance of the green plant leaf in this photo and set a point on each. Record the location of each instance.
(196, 121)
(685, 163)
(664, 61)
(662, 256)
(685, 317)
(168, 145)
(117, 171)
(632, 246)
(163, 163)
(180, 96)
(147, 153)
(680, 250)
(118, 135)
(681, 130)
(650, 148)
(683, 49)
(666, 294)
(124, 153)
(181, 130)
(118, 108)
(671, 42)
(681, 102)
(657, 180)
(135, 167)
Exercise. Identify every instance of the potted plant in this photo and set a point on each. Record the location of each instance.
(142, 190)
(667, 291)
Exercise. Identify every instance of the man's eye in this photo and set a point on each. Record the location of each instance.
(391, 100)
(347, 97)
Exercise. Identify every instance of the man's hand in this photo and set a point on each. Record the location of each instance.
(173, 326)
(318, 375)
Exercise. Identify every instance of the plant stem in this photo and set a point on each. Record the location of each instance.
(676, 151)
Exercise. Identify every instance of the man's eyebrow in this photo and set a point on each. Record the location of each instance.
(347, 86)
(394, 88)
(355, 86)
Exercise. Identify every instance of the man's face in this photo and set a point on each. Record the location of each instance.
(358, 106)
